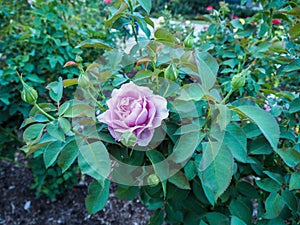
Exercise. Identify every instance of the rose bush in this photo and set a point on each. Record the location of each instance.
(136, 109)
(222, 159)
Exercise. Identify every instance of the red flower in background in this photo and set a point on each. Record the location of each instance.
(209, 8)
(107, 1)
(236, 18)
(276, 21)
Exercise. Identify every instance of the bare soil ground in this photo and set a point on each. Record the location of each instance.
(18, 204)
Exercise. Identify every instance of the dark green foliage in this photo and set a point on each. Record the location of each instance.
(51, 182)
(222, 160)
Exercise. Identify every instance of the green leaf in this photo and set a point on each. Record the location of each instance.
(36, 118)
(237, 24)
(236, 141)
(268, 185)
(79, 108)
(190, 170)
(237, 221)
(157, 218)
(295, 181)
(187, 128)
(191, 92)
(275, 176)
(207, 69)
(55, 131)
(251, 130)
(56, 90)
(146, 4)
(63, 108)
(295, 106)
(290, 200)
(161, 167)
(68, 155)
(51, 153)
(291, 157)
(260, 146)
(165, 37)
(127, 192)
(239, 209)
(224, 116)
(247, 189)
(217, 176)
(142, 75)
(119, 13)
(94, 160)
(94, 43)
(33, 133)
(266, 123)
(97, 197)
(216, 218)
(64, 124)
(185, 146)
(180, 180)
(274, 205)
(47, 107)
(295, 31)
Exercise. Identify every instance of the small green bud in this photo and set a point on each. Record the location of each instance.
(188, 42)
(78, 59)
(128, 139)
(29, 94)
(237, 81)
(83, 80)
(153, 180)
(171, 72)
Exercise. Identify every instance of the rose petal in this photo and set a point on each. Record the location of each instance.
(144, 138)
(136, 109)
(161, 109)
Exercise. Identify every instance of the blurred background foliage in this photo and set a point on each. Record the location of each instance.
(38, 40)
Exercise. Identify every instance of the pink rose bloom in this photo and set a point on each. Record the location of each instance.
(209, 8)
(107, 1)
(276, 21)
(136, 109)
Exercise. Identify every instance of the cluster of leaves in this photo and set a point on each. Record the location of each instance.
(38, 39)
(270, 49)
(223, 160)
(196, 8)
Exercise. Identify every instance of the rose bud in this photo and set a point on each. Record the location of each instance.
(171, 72)
(153, 180)
(83, 80)
(128, 139)
(188, 41)
(237, 81)
(28, 94)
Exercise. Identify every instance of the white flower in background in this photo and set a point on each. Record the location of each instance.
(188, 22)
(161, 20)
(30, 2)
